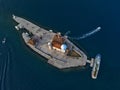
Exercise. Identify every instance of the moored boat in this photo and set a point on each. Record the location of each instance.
(96, 66)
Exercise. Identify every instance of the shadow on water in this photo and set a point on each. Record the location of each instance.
(74, 69)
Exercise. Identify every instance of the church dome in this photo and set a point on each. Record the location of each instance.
(63, 46)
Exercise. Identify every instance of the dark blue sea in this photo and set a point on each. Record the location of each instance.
(23, 69)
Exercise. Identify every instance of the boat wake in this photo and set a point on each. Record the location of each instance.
(87, 34)
(66, 34)
(5, 72)
(3, 75)
(4, 69)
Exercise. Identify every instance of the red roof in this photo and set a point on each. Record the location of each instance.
(56, 44)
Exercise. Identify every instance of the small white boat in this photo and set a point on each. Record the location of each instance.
(96, 66)
(4, 40)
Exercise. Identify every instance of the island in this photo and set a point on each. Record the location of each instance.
(59, 51)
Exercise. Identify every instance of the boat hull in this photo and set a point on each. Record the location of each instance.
(96, 66)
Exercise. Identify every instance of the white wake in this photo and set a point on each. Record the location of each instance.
(87, 34)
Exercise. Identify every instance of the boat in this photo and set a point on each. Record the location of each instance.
(96, 66)
(4, 40)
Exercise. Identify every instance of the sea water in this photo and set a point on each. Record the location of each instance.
(23, 69)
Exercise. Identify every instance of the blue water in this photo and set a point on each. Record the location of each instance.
(22, 69)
